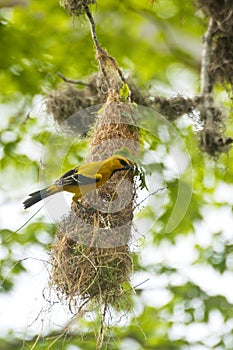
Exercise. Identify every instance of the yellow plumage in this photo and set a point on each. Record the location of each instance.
(82, 179)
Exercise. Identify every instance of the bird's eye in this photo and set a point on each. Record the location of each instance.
(123, 162)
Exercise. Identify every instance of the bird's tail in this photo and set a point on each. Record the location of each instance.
(39, 195)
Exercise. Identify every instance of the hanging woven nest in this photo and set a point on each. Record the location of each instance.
(75, 108)
(91, 258)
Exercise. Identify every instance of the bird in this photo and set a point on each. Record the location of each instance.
(82, 179)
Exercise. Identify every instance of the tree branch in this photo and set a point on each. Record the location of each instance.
(13, 3)
(206, 86)
(97, 45)
(71, 81)
(102, 54)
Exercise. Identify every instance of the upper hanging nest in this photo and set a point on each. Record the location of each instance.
(75, 109)
(76, 7)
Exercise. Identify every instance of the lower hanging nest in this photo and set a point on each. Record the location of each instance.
(90, 272)
(91, 259)
(90, 264)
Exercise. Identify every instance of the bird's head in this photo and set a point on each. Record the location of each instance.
(121, 163)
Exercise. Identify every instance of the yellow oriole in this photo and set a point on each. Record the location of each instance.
(82, 179)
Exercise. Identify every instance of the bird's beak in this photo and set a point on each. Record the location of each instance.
(129, 167)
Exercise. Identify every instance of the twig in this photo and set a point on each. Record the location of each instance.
(31, 217)
(99, 49)
(206, 86)
(101, 53)
(100, 339)
(71, 81)
(93, 28)
(154, 192)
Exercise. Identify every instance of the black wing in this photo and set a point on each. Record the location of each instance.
(73, 178)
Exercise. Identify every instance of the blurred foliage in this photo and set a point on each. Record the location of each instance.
(160, 45)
